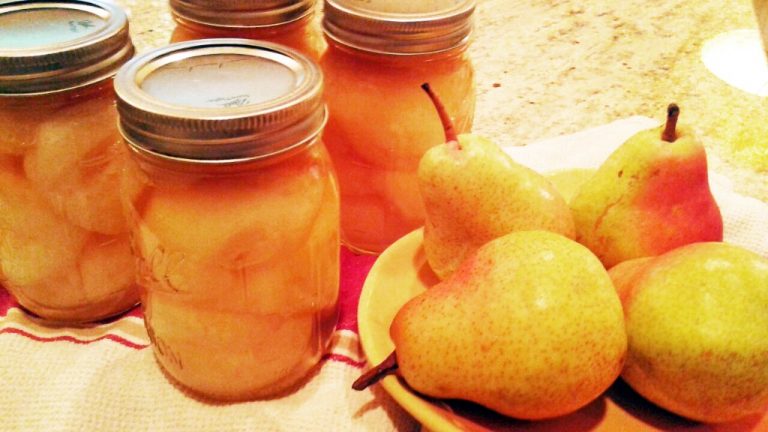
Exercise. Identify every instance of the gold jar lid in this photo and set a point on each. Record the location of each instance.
(49, 46)
(241, 13)
(399, 27)
(219, 101)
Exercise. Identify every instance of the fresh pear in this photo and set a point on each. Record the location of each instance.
(473, 192)
(697, 325)
(650, 196)
(569, 181)
(529, 326)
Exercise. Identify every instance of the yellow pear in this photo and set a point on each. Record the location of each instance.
(697, 325)
(529, 326)
(650, 196)
(473, 192)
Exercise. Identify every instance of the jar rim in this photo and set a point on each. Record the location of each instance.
(241, 14)
(197, 163)
(398, 32)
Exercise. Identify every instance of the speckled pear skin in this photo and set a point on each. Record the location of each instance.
(697, 324)
(650, 196)
(475, 193)
(529, 326)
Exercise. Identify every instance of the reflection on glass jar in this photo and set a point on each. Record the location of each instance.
(381, 122)
(64, 248)
(285, 22)
(237, 220)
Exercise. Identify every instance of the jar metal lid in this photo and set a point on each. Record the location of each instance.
(219, 101)
(399, 27)
(241, 13)
(50, 46)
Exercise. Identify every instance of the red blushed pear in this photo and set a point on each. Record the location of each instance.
(650, 196)
(626, 275)
(473, 192)
(529, 326)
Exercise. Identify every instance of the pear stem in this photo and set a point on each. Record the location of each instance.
(386, 367)
(445, 119)
(669, 134)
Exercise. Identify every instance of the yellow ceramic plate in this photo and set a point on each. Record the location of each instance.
(401, 273)
(398, 275)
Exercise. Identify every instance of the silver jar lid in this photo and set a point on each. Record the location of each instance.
(400, 27)
(241, 13)
(49, 46)
(219, 101)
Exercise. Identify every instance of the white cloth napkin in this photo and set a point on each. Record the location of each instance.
(85, 380)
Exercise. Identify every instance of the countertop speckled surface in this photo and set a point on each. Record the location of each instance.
(555, 67)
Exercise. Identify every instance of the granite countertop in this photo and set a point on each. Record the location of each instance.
(555, 67)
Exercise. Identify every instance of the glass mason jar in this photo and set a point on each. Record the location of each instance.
(381, 121)
(236, 224)
(286, 22)
(64, 247)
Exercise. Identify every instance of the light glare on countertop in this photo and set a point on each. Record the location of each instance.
(737, 57)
